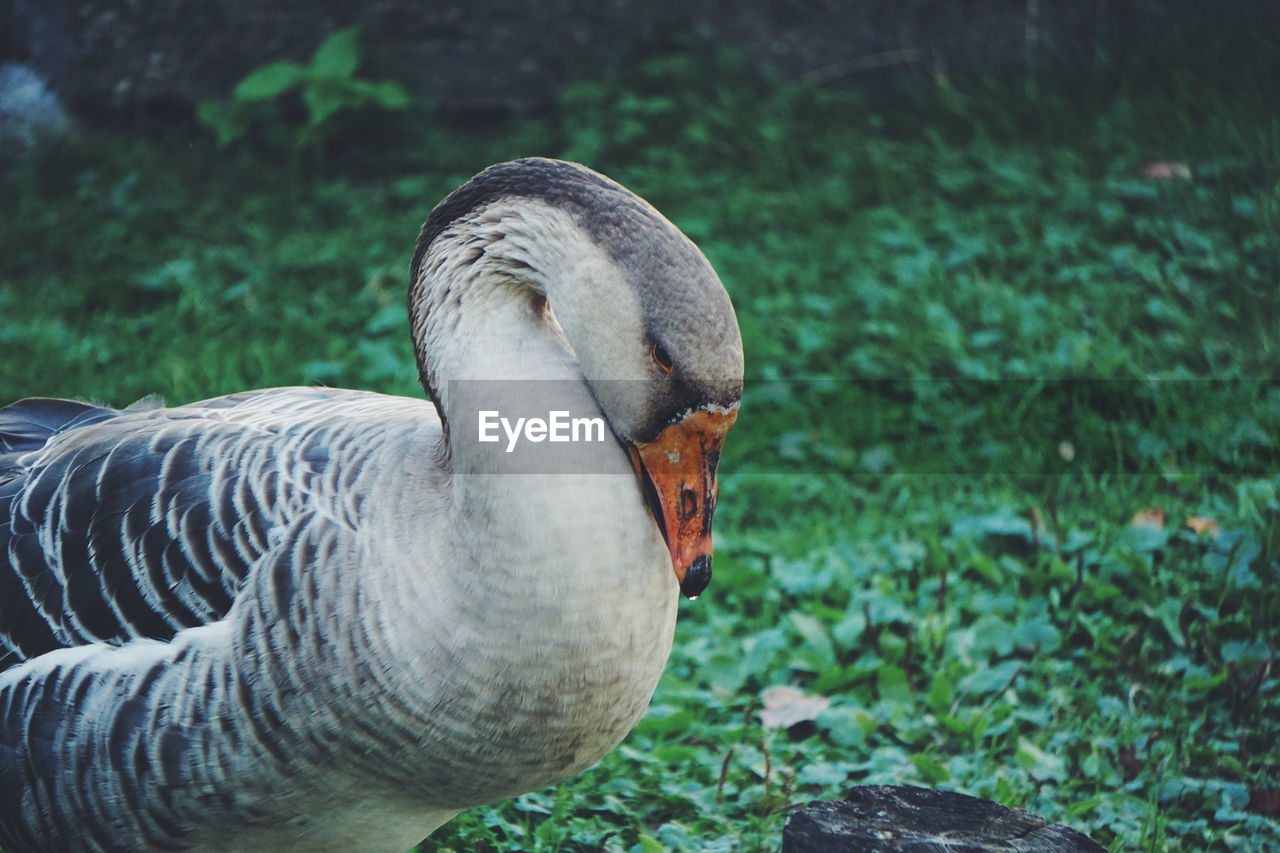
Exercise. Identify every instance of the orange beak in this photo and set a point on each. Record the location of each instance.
(678, 473)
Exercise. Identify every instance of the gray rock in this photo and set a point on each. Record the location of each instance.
(907, 819)
(29, 112)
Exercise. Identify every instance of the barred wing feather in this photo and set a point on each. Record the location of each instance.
(117, 525)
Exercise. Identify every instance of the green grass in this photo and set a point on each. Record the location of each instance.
(976, 605)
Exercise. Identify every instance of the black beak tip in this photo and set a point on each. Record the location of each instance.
(697, 578)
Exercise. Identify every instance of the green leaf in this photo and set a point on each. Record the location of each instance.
(834, 678)
(666, 721)
(1082, 807)
(269, 81)
(226, 121)
(1232, 554)
(930, 770)
(174, 276)
(649, 844)
(1168, 613)
(338, 55)
(892, 685)
(892, 646)
(847, 727)
(1037, 634)
(1042, 765)
(940, 693)
(676, 755)
(1248, 654)
(823, 774)
(988, 679)
(816, 639)
(321, 101)
(387, 94)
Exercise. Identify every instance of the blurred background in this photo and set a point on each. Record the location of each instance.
(1003, 504)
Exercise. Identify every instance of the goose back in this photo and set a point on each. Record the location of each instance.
(148, 523)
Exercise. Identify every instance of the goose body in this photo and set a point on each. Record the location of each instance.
(322, 620)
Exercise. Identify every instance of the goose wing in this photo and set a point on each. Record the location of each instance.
(117, 525)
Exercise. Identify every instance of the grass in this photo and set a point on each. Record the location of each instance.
(979, 342)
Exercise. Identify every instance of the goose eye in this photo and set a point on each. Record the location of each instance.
(663, 358)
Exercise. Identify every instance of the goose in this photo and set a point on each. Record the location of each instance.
(331, 620)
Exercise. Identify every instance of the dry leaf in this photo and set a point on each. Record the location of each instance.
(1202, 525)
(1130, 763)
(1037, 523)
(1265, 802)
(1151, 518)
(1162, 170)
(784, 707)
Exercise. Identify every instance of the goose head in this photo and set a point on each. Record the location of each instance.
(546, 264)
